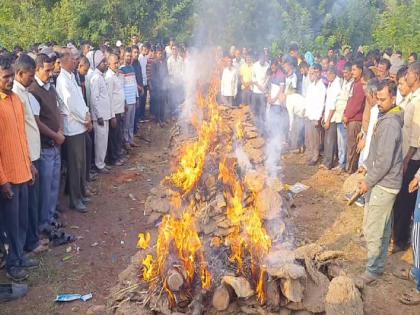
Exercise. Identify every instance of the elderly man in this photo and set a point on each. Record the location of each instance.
(115, 84)
(176, 77)
(76, 122)
(16, 171)
(102, 112)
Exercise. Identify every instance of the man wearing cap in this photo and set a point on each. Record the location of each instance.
(101, 109)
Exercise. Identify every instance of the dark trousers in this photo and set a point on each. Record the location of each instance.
(76, 164)
(246, 97)
(137, 116)
(160, 99)
(142, 104)
(115, 139)
(330, 145)
(32, 234)
(175, 99)
(89, 153)
(312, 139)
(14, 215)
(353, 129)
(404, 207)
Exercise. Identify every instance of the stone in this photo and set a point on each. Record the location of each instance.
(225, 224)
(153, 217)
(285, 311)
(256, 143)
(209, 228)
(343, 298)
(314, 299)
(309, 250)
(269, 203)
(255, 181)
(292, 289)
(220, 201)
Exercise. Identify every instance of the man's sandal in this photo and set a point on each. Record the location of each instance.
(405, 274)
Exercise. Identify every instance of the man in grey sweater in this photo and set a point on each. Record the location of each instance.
(383, 169)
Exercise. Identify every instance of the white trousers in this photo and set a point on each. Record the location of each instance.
(101, 143)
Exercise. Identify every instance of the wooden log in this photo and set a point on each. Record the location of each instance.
(175, 280)
(196, 306)
(240, 285)
(273, 294)
(222, 297)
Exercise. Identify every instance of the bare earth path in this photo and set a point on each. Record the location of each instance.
(108, 235)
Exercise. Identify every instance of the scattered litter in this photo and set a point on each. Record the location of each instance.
(132, 197)
(68, 257)
(149, 180)
(94, 244)
(74, 227)
(297, 188)
(68, 249)
(122, 242)
(73, 297)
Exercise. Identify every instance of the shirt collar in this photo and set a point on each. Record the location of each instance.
(19, 86)
(98, 72)
(67, 74)
(46, 86)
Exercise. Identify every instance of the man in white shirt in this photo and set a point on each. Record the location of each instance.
(259, 82)
(346, 88)
(76, 123)
(314, 107)
(102, 112)
(143, 63)
(115, 85)
(329, 124)
(24, 75)
(176, 78)
(229, 83)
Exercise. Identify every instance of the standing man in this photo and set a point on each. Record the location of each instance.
(131, 94)
(24, 75)
(383, 179)
(229, 83)
(314, 107)
(76, 122)
(345, 92)
(329, 124)
(259, 82)
(16, 172)
(159, 87)
(405, 203)
(143, 65)
(115, 84)
(49, 120)
(101, 109)
(139, 79)
(245, 76)
(176, 80)
(353, 115)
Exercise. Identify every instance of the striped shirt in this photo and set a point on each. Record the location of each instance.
(15, 162)
(130, 84)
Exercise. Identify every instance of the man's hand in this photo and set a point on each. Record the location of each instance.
(363, 187)
(114, 122)
(345, 120)
(327, 125)
(59, 138)
(34, 172)
(361, 145)
(89, 125)
(362, 170)
(141, 90)
(6, 191)
(414, 185)
(101, 121)
(360, 136)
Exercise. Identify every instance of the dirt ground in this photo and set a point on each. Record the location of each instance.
(108, 234)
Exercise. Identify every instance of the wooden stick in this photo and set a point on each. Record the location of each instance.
(222, 297)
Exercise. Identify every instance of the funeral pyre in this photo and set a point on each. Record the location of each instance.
(222, 244)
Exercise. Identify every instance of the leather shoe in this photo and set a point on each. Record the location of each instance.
(29, 263)
(17, 273)
(86, 200)
(12, 291)
(80, 207)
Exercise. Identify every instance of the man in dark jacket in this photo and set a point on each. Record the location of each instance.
(383, 169)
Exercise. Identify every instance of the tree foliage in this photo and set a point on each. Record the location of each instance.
(313, 24)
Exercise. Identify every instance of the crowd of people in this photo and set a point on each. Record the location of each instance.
(350, 113)
(68, 115)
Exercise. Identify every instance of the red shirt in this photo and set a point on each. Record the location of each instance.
(356, 103)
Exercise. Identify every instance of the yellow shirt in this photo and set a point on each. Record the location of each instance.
(246, 73)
